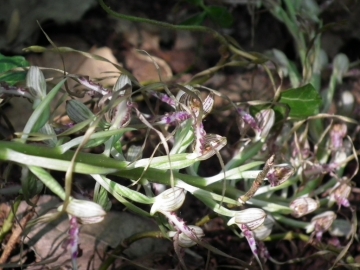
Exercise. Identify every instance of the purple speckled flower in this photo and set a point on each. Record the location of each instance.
(174, 118)
(250, 237)
(340, 193)
(278, 175)
(248, 119)
(164, 98)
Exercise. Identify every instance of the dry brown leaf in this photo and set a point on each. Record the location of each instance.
(97, 69)
(144, 69)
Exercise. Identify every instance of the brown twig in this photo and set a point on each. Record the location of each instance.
(18, 229)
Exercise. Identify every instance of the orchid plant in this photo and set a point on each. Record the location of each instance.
(288, 164)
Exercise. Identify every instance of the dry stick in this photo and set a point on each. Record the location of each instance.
(258, 181)
(15, 236)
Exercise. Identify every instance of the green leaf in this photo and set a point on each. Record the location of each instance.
(49, 181)
(116, 190)
(184, 136)
(303, 102)
(95, 139)
(13, 78)
(196, 19)
(281, 110)
(9, 63)
(220, 16)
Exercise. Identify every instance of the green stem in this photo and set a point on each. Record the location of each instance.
(290, 236)
(192, 28)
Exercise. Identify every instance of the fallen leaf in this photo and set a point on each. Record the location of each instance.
(144, 68)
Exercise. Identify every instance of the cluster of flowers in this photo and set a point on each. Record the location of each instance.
(255, 223)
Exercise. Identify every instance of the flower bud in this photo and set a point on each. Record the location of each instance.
(77, 111)
(340, 194)
(251, 217)
(87, 211)
(346, 104)
(122, 82)
(265, 120)
(168, 201)
(185, 241)
(340, 66)
(303, 206)
(36, 83)
(321, 223)
(337, 134)
(246, 120)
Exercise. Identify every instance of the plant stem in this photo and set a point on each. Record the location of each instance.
(192, 28)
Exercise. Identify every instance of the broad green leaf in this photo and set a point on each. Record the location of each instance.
(220, 15)
(8, 63)
(303, 102)
(13, 78)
